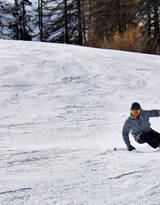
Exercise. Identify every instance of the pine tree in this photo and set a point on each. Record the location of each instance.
(110, 16)
(5, 10)
(19, 24)
(149, 13)
(62, 21)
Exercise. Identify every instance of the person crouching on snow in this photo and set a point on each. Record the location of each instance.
(139, 126)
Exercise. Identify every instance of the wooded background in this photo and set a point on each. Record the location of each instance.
(132, 25)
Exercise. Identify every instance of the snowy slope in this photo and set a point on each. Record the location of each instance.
(62, 108)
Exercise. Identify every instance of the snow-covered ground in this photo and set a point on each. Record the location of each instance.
(62, 108)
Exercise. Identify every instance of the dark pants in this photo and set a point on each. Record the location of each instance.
(152, 138)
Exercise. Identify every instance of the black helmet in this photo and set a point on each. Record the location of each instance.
(135, 106)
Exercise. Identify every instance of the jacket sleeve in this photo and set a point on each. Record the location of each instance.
(125, 134)
(153, 113)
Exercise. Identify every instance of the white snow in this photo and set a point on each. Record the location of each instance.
(62, 109)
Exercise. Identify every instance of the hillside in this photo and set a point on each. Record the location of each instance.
(62, 110)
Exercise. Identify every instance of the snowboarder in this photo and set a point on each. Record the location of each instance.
(139, 126)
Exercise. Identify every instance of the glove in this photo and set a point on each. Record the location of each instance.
(130, 148)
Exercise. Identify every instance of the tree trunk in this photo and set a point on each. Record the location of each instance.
(119, 16)
(80, 36)
(40, 14)
(156, 20)
(149, 27)
(16, 6)
(66, 35)
(89, 23)
(83, 21)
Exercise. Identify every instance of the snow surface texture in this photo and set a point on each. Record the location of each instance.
(62, 108)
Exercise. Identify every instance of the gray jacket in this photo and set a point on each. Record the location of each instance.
(139, 125)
